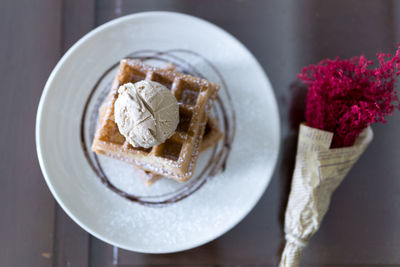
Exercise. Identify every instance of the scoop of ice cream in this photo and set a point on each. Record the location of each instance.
(146, 113)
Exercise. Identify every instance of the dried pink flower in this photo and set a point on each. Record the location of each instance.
(345, 96)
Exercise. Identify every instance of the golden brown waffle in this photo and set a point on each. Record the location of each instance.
(212, 134)
(176, 157)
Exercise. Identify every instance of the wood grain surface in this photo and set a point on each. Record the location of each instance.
(29, 49)
(360, 229)
(71, 243)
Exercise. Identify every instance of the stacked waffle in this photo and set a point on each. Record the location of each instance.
(175, 158)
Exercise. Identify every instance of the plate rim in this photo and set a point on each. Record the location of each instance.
(45, 94)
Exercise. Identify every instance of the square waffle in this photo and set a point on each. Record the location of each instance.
(211, 136)
(177, 156)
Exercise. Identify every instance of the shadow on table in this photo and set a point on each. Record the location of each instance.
(298, 92)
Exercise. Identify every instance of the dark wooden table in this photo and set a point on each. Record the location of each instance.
(362, 226)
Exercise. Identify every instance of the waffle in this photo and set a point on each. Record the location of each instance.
(177, 156)
(212, 134)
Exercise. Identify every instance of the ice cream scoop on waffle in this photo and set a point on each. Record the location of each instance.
(177, 156)
(212, 134)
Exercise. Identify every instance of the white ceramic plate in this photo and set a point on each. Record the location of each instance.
(176, 216)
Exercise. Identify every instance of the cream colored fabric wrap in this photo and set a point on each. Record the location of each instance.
(318, 172)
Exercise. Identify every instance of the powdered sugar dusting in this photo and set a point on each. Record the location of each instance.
(221, 195)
